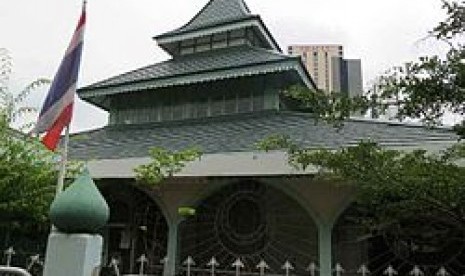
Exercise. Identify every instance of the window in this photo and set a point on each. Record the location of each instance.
(202, 106)
(178, 110)
(230, 103)
(187, 50)
(258, 101)
(203, 44)
(240, 33)
(189, 110)
(244, 102)
(237, 37)
(220, 37)
(187, 47)
(237, 41)
(202, 48)
(166, 109)
(216, 105)
(220, 40)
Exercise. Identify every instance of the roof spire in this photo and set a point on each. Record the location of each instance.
(216, 12)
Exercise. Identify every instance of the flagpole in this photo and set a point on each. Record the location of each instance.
(64, 151)
(63, 161)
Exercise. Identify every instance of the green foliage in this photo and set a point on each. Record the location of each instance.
(454, 24)
(392, 185)
(27, 178)
(164, 163)
(74, 169)
(12, 104)
(429, 87)
(276, 142)
(424, 89)
(331, 107)
(28, 171)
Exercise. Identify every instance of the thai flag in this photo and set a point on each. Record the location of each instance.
(57, 110)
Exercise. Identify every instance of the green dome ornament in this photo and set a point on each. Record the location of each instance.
(80, 208)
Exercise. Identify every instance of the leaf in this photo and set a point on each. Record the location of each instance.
(164, 163)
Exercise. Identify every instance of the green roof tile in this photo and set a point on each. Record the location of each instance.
(214, 13)
(189, 65)
(236, 133)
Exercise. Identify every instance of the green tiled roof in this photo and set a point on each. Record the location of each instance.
(238, 133)
(216, 12)
(205, 66)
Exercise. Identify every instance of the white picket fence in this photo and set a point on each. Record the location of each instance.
(213, 267)
(7, 269)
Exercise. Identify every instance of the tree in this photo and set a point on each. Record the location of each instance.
(413, 200)
(28, 173)
(12, 104)
(27, 169)
(395, 187)
(424, 89)
(164, 163)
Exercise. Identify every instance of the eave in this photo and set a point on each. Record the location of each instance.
(97, 95)
(255, 21)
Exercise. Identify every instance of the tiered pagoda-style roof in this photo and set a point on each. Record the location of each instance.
(223, 41)
(213, 14)
(219, 16)
(220, 91)
(225, 63)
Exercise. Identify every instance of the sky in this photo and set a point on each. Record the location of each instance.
(119, 35)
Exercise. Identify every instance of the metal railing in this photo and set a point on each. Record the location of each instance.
(33, 265)
(13, 271)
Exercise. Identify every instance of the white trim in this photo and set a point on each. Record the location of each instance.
(247, 70)
(51, 115)
(77, 38)
(274, 163)
(218, 164)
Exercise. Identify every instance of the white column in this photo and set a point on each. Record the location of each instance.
(73, 254)
(325, 248)
(172, 252)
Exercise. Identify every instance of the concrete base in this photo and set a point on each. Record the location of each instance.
(73, 254)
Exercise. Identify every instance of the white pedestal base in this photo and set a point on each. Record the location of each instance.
(73, 254)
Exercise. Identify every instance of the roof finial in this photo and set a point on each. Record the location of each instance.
(84, 4)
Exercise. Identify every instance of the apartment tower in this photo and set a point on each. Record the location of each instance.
(317, 60)
(328, 68)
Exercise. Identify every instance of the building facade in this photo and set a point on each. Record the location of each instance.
(318, 60)
(221, 92)
(328, 68)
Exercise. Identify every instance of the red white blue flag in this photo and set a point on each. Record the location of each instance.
(57, 110)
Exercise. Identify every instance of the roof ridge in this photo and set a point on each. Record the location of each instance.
(214, 12)
(370, 121)
(241, 4)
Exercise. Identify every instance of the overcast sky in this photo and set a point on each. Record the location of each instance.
(119, 34)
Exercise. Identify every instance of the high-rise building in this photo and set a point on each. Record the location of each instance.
(347, 76)
(318, 61)
(328, 68)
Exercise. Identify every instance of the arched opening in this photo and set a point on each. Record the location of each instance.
(426, 241)
(136, 227)
(252, 221)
